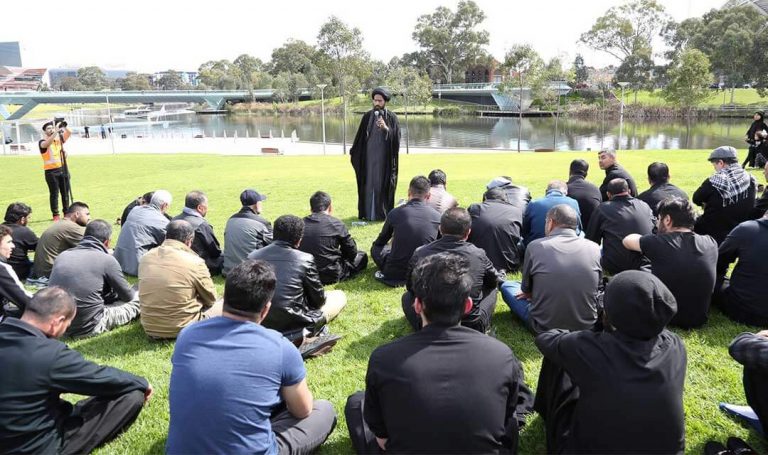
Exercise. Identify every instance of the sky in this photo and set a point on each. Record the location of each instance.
(155, 35)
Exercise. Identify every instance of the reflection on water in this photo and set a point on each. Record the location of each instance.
(464, 132)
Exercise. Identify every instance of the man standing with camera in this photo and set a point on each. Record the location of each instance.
(55, 164)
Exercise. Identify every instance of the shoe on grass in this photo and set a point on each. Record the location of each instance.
(317, 346)
(716, 448)
(739, 447)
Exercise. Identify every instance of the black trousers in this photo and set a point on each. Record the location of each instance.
(57, 183)
(345, 269)
(733, 309)
(363, 440)
(303, 436)
(756, 391)
(98, 420)
(479, 320)
(751, 155)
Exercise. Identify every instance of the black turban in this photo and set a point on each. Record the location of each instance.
(638, 304)
(381, 91)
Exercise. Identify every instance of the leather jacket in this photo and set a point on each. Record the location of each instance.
(299, 294)
(517, 195)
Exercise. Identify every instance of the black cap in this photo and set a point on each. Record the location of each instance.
(250, 197)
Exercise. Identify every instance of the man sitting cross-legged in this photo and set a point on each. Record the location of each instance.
(327, 239)
(445, 388)
(561, 274)
(104, 298)
(246, 231)
(455, 226)
(205, 244)
(175, 286)
(59, 236)
(144, 230)
(496, 226)
(37, 369)
(238, 387)
(409, 227)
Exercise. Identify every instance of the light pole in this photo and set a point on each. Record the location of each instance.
(322, 109)
(439, 93)
(520, 71)
(621, 113)
(111, 129)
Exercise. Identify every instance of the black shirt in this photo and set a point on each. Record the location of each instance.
(614, 220)
(717, 219)
(445, 390)
(657, 193)
(749, 243)
(36, 370)
(686, 263)
(586, 194)
(25, 241)
(409, 226)
(327, 239)
(761, 205)
(496, 229)
(205, 243)
(617, 172)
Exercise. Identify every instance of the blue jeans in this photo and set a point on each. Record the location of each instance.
(520, 307)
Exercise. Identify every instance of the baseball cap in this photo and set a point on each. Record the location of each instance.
(251, 196)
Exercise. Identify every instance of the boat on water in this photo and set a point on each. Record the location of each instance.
(147, 112)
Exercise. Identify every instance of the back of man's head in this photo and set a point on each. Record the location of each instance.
(617, 186)
(249, 287)
(680, 212)
(437, 177)
(75, 207)
(99, 229)
(17, 211)
(49, 303)
(563, 216)
(419, 187)
(179, 230)
(495, 194)
(288, 228)
(442, 284)
(557, 185)
(579, 167)
(319, 202)
(658, 173)
(455, 221)
(147, 197)
(161, 197)
(194, 198)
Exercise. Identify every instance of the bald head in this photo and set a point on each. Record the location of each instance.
(562, 216)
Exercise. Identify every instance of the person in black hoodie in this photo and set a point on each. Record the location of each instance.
(728, 196)
(619, 390)
(613, 170)
(16, 218)
(586, 193)
(11, 289)
(756, 138)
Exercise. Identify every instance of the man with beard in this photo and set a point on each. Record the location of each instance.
(607, 161)
(374, 156)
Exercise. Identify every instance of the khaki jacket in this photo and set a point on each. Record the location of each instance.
(175, 288)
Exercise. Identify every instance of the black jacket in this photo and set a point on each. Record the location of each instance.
(205, 244)
(496, 229)
(299, 294)
(36, 371)
(586, 194)
(11, 289)
(25, 241)
(617, 172)
(658, 192)
(409, 226)
(357, 156)
(517, 195)
(327, 239)
(717, 220)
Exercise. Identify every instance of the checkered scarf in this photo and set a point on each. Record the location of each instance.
(732, 183)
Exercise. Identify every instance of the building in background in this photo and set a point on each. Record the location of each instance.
(10, 54)
(761, 6)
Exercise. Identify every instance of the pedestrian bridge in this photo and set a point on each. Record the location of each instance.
(487, 94)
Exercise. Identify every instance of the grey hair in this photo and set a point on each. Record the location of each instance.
(558, 185)
(161, 197)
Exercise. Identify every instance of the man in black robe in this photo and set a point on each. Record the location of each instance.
(619, 390)
(374, 156)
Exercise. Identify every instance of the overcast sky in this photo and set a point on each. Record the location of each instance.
(154, 35)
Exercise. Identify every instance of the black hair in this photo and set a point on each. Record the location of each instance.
(437, 177)
(5, 230)
(148, 197)
(495, 194)
(249, 286)
(99, 229)
(563, 215)
(319, 202)
(75, 207)
(579, 167)
(194, 198)
(679, 210)
(658, 173)
(419, 187)
(49, 302)
(17, 211)
(179, 230)
(288, 228)
(617, 186)
(442, 284)
(455, 221)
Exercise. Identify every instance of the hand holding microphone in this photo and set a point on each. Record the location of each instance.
(380, 120)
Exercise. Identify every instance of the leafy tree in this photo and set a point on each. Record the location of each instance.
(261, 79)
(220, 74)
(70, 84)
(410, 83)
(92, 78)
(524, 62)
(581, 75)
(281, 86)
(635, 69)
(134, 81)
(627, 29)
(246, 65)
(295, 56)
(451, 41)
(689, 78)
(171, 80)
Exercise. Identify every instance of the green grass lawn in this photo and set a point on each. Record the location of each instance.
(373, 314)
(742, 97)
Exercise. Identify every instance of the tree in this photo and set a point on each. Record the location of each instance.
(635, 69)
(281, 89)
(171, 80)
(627, 29)
(451, 41)
(220, 74)
(92, 78)
(689, 79)
(295, 56)
(580, 72)
(522, 61)
(135, 82)
(246, 65)
(70, 84)
(409, 82)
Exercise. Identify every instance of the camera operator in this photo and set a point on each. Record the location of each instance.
(55, 164)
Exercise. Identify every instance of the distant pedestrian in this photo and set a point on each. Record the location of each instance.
(103, 132)
(87, 131)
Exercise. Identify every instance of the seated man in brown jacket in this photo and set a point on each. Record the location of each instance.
(175, 286)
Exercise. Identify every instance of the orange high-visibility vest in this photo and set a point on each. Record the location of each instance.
(52, 155)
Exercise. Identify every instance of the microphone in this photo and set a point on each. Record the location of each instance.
(377, 114)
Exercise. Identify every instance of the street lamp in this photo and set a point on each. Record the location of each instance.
(621, 112)
(322, 109)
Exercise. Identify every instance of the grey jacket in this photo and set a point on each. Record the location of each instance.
(244, 233)
(144, 230)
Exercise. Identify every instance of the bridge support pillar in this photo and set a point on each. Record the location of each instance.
(23, 110)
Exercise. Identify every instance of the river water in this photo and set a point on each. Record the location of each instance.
(462, 132)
